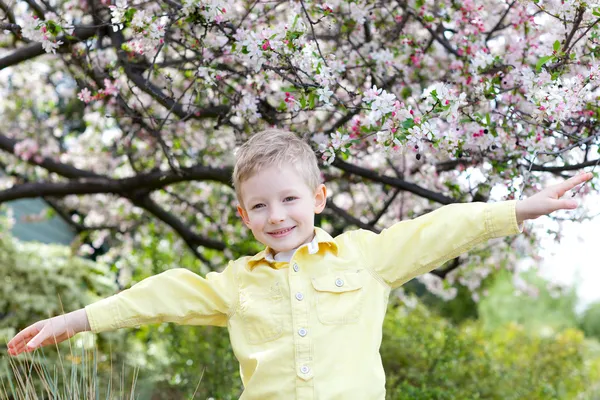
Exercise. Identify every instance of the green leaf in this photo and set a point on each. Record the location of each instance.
(542, 61)
(312, 100)
(556, 46)
(128, 16)
(53, 27)
(302, 101)
(408, 123)
(488, 120)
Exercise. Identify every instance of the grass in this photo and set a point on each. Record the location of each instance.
(77, 376)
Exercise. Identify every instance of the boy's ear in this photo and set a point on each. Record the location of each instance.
(320, 198)
(243, 214)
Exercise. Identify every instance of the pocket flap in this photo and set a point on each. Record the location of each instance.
(339, 282)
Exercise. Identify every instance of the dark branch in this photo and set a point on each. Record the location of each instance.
(126, 187)
(562, 168)
(7, 144)
(454, 264)
(33, 50)
(351, 219)
(394, 182)
(191, 239)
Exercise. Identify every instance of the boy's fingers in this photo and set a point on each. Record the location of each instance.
(572, 182)
(20, 348)
(567, 204)
(23, 337)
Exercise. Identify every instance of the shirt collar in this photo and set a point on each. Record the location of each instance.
(321, 240)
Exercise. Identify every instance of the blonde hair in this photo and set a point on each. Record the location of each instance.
(275, 147)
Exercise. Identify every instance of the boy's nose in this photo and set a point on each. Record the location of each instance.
(276, 216)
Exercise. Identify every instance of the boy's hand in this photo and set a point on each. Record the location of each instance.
(49, 331)
(549, 199)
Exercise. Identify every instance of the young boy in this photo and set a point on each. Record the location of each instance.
(304, 315)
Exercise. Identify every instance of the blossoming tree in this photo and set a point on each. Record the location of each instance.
(125, 115)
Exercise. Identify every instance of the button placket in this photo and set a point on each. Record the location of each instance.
(300, 325)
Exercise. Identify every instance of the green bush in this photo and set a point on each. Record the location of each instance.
(165, 361)
(426, 357)
(590, 321)
(550, 310)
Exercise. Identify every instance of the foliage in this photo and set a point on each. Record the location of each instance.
(39, 281)
(541, 307)
(590, 321)
(427, 357)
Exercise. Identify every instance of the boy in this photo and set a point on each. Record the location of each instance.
(304, 315)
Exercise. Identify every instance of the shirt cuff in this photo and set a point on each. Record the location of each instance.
(502, 219)
(102, 315)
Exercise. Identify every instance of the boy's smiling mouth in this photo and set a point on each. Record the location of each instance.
(281, 232)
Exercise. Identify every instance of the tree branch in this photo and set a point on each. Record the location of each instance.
(562, 168)
(68, 171)
(351, 219)
(33, 50)
(394, 182)
(191, 239)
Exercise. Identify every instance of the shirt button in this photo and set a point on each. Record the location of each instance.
(305, 369)
(296, 268)
(302, 332)
(339, 282)
(299, 296)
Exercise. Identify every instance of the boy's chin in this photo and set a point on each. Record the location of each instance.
(282, 248)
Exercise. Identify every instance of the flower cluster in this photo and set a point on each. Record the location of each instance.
(42, 31)
(28, 149)
(110, 89)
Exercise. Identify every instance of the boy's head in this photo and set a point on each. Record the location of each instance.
(277, 182)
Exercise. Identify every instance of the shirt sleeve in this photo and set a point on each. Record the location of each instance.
(177, 295)
(414, 247)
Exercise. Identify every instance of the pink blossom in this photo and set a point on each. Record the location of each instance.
(26, 149)
(85, 95)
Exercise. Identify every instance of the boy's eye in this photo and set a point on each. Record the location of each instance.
(290, 198)
(257, 206)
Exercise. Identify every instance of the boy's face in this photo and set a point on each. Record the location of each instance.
(279, 208)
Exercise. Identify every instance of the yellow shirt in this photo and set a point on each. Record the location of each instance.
(313, 330)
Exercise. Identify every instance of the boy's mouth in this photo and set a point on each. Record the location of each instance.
(281, 232)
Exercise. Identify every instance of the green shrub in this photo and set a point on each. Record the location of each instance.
(590, 321)
(426, 357)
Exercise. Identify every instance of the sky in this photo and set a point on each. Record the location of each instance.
(574, 261)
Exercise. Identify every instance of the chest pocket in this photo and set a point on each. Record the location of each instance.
(261, 313)
(339, 297)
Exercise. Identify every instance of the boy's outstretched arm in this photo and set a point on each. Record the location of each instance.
(177, 295)
(413, 247)
(49, 331)
(549, 199)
